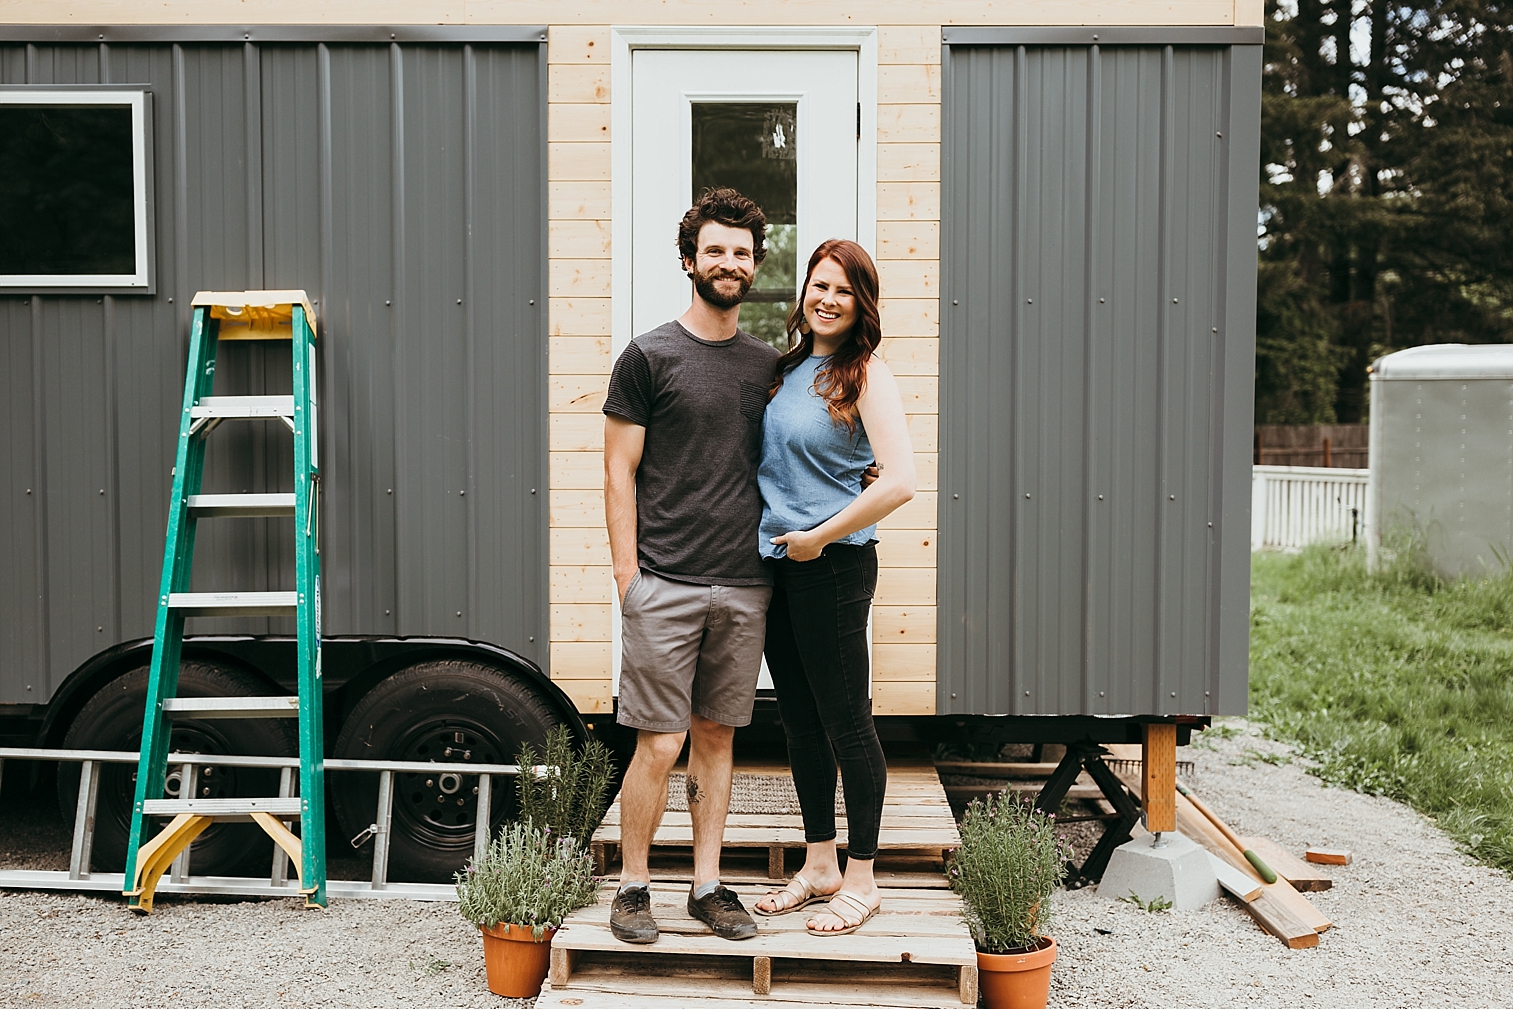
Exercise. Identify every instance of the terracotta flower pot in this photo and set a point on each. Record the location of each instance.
(515, 962)
(1017, 980)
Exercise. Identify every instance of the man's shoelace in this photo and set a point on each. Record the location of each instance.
(727, 900)
(635, 900)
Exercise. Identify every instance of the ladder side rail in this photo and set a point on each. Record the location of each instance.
(178, 554)
(307, 577)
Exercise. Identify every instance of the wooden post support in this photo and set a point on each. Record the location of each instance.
(561, 967)
(775, 866)
(761, 975)
(1158, 776)
(966, 983)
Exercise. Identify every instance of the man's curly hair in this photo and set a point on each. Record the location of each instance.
(728, 207)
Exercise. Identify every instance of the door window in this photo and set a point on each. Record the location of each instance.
(753, 147)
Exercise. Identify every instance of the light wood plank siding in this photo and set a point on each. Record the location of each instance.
(578, 358)
(908, 264)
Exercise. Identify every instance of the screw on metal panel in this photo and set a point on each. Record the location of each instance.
(459, 301)
(388, 302)
(1174, 693)
(532, 301)
(1100, 693)
(1029, 301)
(1100, 301)
(955, 496)
(386, 612)
(99, 630)
(531, 638)
(1210, 525)
(1216, 329)
(1174, 301)
(1218, 134)
(955, 302)
(391, 490)
(462, 493)
(459, 613)
(1100, 497)
(1027, 693)
(102, 491)
(1173, 497)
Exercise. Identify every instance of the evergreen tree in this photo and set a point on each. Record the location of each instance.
(1386, 200)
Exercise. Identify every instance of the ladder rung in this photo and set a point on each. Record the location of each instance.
(235, 604)
(240, 505)
(222, 807)
(246, 407)
(232, 707)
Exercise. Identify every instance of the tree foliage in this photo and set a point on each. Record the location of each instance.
(1386, 193)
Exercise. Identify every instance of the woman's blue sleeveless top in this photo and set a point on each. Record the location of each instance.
(811, 466)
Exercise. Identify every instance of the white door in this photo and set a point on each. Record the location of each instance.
(781, 127)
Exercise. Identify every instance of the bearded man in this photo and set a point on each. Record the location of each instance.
(682, 441)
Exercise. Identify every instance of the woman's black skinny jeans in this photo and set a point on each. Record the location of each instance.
(817, 653)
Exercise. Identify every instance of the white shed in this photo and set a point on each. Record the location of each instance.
(1441, 454)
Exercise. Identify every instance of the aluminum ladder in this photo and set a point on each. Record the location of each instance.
(250, 315)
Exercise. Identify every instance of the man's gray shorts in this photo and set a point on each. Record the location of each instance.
(689, 648)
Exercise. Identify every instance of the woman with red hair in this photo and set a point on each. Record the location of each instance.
(833, 410)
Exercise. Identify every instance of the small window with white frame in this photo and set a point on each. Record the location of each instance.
(75, 189)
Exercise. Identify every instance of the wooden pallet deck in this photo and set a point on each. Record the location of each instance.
(917, 827)
(915, 954)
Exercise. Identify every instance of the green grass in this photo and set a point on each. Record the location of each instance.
(1395, 683)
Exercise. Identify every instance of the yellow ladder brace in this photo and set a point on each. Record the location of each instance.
(286, 839)
(158, 854)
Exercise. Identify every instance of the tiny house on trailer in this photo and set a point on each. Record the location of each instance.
(482, 210)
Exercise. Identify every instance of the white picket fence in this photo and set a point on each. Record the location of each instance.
(1293, 506)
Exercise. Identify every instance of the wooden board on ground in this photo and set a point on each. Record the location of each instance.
(1281, 908)
(1328, 856)
(918, 941)
(1284, 863)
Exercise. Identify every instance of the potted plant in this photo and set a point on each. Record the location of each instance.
(528, 880)
(1009, 863)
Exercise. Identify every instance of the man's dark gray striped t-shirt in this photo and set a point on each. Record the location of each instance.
(701, 402)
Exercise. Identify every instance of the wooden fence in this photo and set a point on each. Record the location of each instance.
(1337, 446)
(1293, 506)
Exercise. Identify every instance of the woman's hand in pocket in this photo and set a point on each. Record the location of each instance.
(802, 546)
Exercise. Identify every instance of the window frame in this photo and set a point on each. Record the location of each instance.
(138, 98)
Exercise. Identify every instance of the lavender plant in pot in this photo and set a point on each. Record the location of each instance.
(517, 894)
(1009, 864)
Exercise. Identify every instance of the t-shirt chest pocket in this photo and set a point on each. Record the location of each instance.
(753, 400)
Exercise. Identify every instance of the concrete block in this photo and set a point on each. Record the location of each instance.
(1179, 870)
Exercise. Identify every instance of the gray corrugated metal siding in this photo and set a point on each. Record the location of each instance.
(401, 186)
(1097, 334)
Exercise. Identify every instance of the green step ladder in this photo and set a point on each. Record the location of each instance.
(249, 315)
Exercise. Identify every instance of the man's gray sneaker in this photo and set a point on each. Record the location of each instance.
(630, 916)
(722, 912)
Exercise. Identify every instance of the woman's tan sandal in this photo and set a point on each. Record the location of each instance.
(802, 897)
(850, 909)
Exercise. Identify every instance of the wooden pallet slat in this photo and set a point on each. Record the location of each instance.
(914, 954)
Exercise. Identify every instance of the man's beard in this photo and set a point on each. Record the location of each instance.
(704, 283)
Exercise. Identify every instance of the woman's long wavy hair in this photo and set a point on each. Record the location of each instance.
(843, 378)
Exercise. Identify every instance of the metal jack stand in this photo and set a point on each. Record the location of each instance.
(1089, 756)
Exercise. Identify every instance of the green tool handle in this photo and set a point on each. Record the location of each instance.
(1266, 872)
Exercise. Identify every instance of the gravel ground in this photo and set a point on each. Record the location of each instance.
(1416, 924)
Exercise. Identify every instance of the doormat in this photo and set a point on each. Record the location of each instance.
(752, 794)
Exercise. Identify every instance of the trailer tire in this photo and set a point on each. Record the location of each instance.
(112, 720)
(448, 711)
